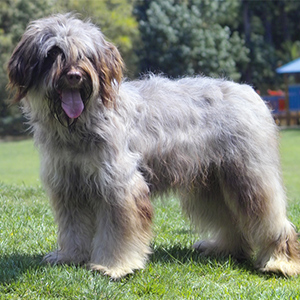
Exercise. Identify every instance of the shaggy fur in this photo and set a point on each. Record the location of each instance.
(108, 145)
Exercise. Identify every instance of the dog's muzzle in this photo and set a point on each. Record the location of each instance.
(71, 100)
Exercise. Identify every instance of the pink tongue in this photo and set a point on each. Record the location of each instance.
(72, 103)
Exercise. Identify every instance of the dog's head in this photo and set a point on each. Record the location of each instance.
(66, 61)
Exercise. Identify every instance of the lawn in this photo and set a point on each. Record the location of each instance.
(19, 163)
(27, 232)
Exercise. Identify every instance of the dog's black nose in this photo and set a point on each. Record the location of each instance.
(74, 77)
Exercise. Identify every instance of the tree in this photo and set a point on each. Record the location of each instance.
(190, 37)
(271, 30)
(14, 16)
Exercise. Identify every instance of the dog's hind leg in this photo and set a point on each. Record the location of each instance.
(275, 237)
(245, 213)
(123, 233)
(257, 199)
(208, 211)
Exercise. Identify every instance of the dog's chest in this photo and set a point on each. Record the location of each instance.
(75, 164)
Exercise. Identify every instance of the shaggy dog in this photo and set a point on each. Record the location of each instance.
(108, 145)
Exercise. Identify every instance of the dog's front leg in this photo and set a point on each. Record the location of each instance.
(75, 231)
(123, 233)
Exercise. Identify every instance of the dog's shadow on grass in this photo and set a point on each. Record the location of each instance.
(13, 266)
(173, 253)
(179, 254)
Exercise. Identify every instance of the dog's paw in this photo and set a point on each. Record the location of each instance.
(113, 273)
(55, 257)
(59, 257)
(62, 257)
(210, 248)
(281, 264)
(204, 246)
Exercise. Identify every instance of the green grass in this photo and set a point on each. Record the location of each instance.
(27, 232)
(19, 163)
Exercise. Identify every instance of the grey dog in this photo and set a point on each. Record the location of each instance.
(108, 145)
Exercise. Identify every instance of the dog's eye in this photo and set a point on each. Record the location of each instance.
(50, 58)
(53, 53)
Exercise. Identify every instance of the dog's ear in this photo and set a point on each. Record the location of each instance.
(110, 71)
(21, 67)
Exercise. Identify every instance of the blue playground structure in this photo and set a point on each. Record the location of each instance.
(286, 105)
(278, 102)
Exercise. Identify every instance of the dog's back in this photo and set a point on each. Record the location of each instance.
(183, 128)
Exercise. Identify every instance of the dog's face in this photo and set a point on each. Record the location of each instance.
(66, 61)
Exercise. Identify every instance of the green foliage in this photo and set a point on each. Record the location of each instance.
(14, 17)
(182, 37)
(291, 51)
(269, 28)
(245, 40)
(28, 232)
